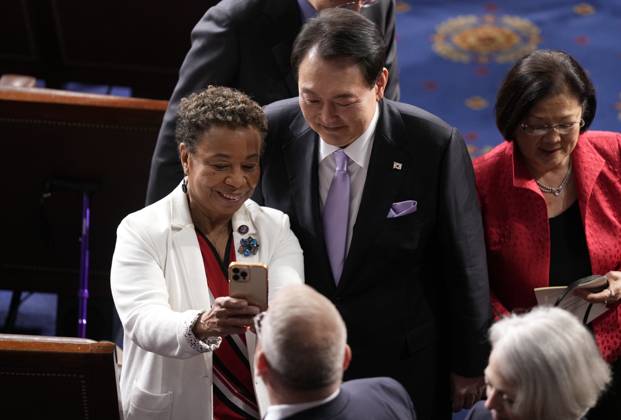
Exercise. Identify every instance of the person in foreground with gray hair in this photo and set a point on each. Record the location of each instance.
(301, 356)
(544, 365)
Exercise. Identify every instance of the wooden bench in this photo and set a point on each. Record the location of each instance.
(58, 377)
(51, 139)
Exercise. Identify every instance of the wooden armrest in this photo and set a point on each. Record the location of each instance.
(54, 96)
(59, 377)
(54, 344)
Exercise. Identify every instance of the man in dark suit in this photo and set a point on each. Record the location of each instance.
(301, 355)
(247, 45)
(405, 262)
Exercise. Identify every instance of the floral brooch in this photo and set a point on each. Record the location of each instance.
(248, 246)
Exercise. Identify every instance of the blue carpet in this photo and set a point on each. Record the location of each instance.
(37, 312)
(453, 55)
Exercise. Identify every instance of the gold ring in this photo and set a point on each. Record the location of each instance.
(609, 296)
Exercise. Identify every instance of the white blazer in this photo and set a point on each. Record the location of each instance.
(159, 286)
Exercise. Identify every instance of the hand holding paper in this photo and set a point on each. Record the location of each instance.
(565, 298)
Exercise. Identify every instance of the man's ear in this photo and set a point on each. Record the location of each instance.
(380, 84)
(261, 365)
(346, 357)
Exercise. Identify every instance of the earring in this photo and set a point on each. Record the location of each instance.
(184, 185)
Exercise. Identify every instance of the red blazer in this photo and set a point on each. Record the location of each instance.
(517, 231)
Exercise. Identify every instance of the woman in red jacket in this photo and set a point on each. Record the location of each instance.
(551, 198)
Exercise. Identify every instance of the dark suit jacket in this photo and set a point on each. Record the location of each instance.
(246, 44)
(373, 398)
(479, 412)
(412, 286)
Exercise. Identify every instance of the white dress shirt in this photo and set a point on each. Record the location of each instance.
(277, 412)
(359, 154)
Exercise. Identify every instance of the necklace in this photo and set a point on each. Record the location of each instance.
(556, 191)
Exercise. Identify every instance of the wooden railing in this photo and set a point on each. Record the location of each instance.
(58, 377)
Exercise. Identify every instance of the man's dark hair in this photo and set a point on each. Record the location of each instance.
(216, 106)
(539, 75)
(342, 34)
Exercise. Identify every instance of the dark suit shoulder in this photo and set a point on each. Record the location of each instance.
(234, 11)
(479, 412)
(280, 109)
(370, 398)
(378, 385)
(412, 127)
(278, 18)
(285, 116)
(414, 113)
(378, 398)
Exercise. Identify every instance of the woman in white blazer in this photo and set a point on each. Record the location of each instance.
(181, 330)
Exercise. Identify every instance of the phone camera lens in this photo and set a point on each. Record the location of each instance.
(235, 277)
(244, 274)
(235, 270)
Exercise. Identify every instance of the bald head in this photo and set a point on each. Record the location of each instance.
(303, 338)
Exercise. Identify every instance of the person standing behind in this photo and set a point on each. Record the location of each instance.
(301, 355)
(187, 345)
(550, 197)
(246, 44)
(402, 256)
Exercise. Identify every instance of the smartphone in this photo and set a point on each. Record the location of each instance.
(249, 281)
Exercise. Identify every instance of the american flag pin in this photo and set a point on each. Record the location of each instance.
(397, 165)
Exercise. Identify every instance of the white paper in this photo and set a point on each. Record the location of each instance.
(572, 303)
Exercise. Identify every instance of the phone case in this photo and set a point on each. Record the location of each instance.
(249, 281)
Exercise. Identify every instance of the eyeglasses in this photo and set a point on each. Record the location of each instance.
(357, 4)
(542, 130)
(258, 320)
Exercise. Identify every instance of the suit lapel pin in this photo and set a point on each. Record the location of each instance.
(242, 229)
(397, 165)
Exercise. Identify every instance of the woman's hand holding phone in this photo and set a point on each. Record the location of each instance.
(227, 316)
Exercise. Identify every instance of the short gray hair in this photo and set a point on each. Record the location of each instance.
(552, 362)
(303, 338)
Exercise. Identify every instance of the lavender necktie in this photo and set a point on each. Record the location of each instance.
(336, 215)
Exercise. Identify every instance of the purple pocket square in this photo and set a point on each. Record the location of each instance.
(402, 208)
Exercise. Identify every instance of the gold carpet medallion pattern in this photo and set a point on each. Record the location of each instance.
(403, 7)
(476, 103)
(482, 39)
(584, 9)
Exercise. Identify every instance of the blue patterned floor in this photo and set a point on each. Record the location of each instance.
(454, 54)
